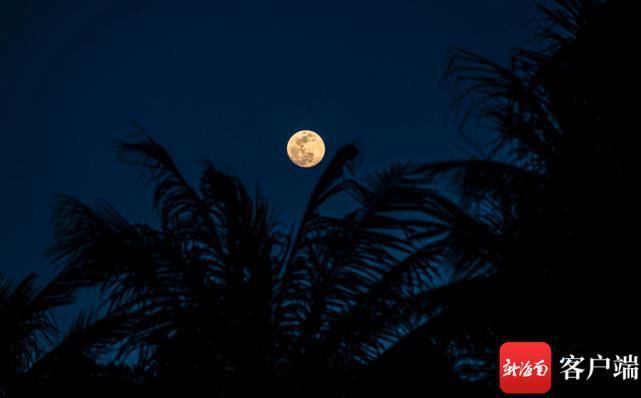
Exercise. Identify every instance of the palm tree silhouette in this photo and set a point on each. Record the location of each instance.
(218, 294)
(542, 211)
(34, 354)
(26, 323)
(413, 286)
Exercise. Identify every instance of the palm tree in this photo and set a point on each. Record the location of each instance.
(218, 294)
(25, 325)
(412, 278)
(34, 353)
(540, 215)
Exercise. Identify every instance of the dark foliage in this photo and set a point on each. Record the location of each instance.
(411, 288)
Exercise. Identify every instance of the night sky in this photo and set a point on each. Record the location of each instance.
(225, 81)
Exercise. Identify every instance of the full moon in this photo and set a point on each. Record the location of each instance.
(305, 148)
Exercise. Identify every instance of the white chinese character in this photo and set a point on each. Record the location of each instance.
(510, 369)
(627, 367)
(598, 363)
(572, 364)
(541, 368)
(526, 369)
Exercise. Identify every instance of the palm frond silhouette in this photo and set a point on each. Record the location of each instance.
(218, 293)
(416, 282)
(35, 354)
(541, 213)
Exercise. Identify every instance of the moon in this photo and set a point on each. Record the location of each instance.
(305, 148)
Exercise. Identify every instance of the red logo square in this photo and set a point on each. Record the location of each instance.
(525, 368)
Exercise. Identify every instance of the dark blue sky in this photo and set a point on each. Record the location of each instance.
(227, 81)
